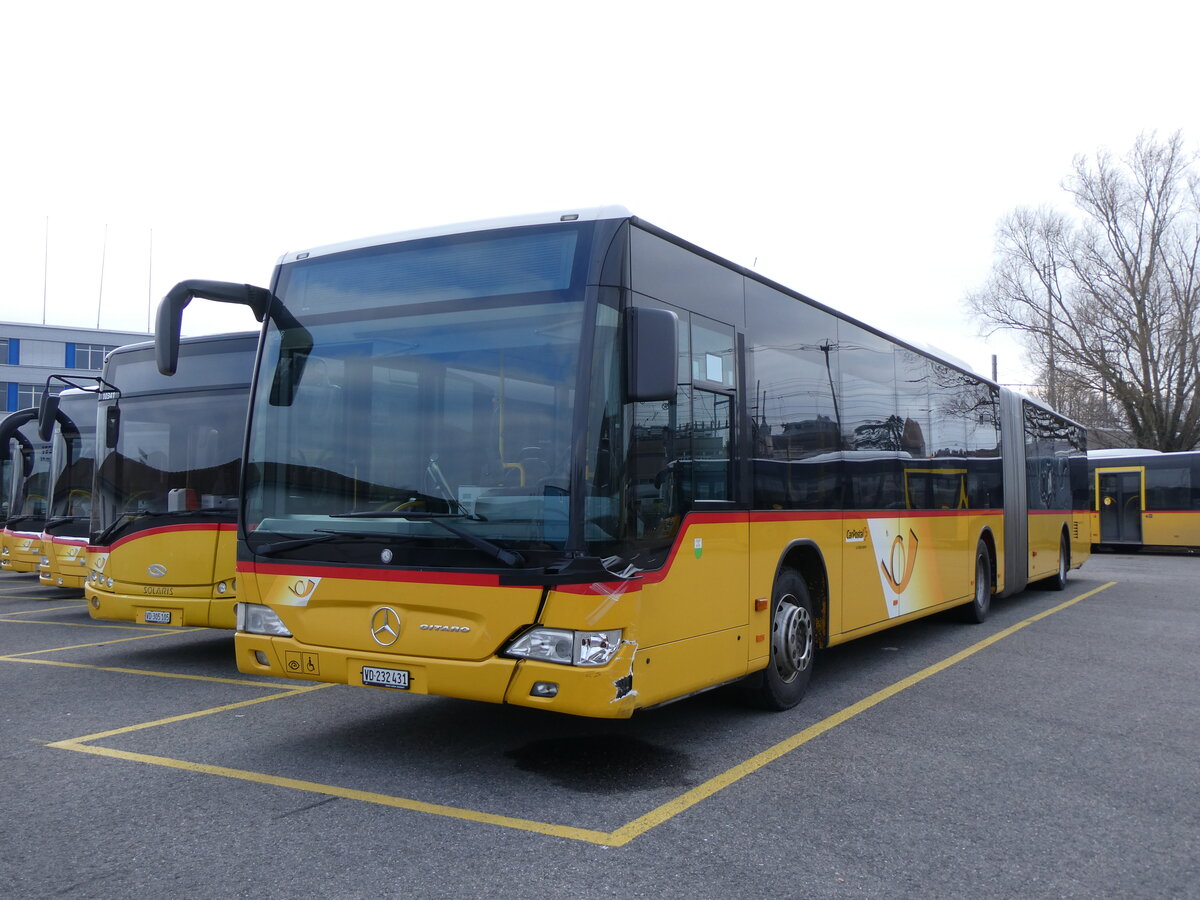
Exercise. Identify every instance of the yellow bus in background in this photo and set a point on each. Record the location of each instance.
(28, 498)
(164, 501)
(574, 462)
(1145, 498)
(68, 421)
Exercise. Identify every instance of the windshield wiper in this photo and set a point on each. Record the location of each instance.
(61, 520)
(321, 536)
(407, 514)
(508, 557)
(494, 550)
(122, 520)
(125, 518)
(204, 511)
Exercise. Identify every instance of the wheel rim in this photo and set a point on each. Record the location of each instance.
(791, 638)
(1062, 561)
(983, 587)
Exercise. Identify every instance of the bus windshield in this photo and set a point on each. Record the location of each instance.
(433, 411)
(178, 442)
(29, 493)
(74, 456)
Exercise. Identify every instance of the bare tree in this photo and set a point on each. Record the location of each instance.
(1108, 300)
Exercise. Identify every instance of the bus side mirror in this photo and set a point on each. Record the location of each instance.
(169, 322)
(651, 354)
(47, 413)
(112, 427)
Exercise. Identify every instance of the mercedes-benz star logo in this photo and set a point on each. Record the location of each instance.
(385, 626)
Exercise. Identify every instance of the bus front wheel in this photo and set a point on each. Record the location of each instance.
(782, 684)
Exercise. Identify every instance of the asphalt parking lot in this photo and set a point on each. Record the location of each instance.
(1051, 752)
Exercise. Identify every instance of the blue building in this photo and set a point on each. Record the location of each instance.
(29, 354)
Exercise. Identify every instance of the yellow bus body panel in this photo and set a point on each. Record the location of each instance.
(1045, 541)
(194, 561)
(22, 551)
(1171, 529)
(700, 621)
(67, 562)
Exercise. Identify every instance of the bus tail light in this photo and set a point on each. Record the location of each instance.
(568, 648)
(254, 618)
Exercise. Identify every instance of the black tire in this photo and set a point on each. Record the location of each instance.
(783, 683)
(1058, 581)
(976, 612)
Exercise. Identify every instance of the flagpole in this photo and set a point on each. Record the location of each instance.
(103, 255)
(150, 284)
(45, 268)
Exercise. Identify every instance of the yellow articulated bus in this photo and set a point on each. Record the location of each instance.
(21, 547)
(576, 463)
(1144, 498)
(68, 421)
(164, 503)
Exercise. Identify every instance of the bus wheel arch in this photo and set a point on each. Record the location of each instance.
(799, 617)
(805, 558)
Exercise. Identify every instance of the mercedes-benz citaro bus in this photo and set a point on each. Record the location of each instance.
(574, 462)
(164, 502)
(21, 544)
(1145, 498)
(68, 421)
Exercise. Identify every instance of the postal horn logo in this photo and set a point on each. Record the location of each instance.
(385, 626)
(304, 588)
(903, 561)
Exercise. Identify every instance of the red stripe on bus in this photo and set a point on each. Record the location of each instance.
(165, 529)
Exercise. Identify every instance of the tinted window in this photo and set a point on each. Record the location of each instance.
(668, 272)
(791, 381)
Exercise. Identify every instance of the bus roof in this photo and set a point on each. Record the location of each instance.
(194, 339)
(546, 218)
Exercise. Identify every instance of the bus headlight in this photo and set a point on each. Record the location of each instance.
(254, 618)
(568, 648)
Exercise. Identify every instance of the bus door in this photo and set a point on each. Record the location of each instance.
(1120, 496)
(704, 592)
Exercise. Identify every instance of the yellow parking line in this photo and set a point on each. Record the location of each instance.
(140, 637)
(616, 838)
(41, 609)
(668, 810)
(312, 787)
(35, 599)
(124, 671)
(77, 624)
(70, 743)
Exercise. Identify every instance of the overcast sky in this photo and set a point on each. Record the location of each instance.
(862, 153)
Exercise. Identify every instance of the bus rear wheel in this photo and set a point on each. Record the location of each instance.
(1058, 581)
(783, 683)
(977, 610)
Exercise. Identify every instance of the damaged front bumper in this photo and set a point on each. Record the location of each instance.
(604, 691)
